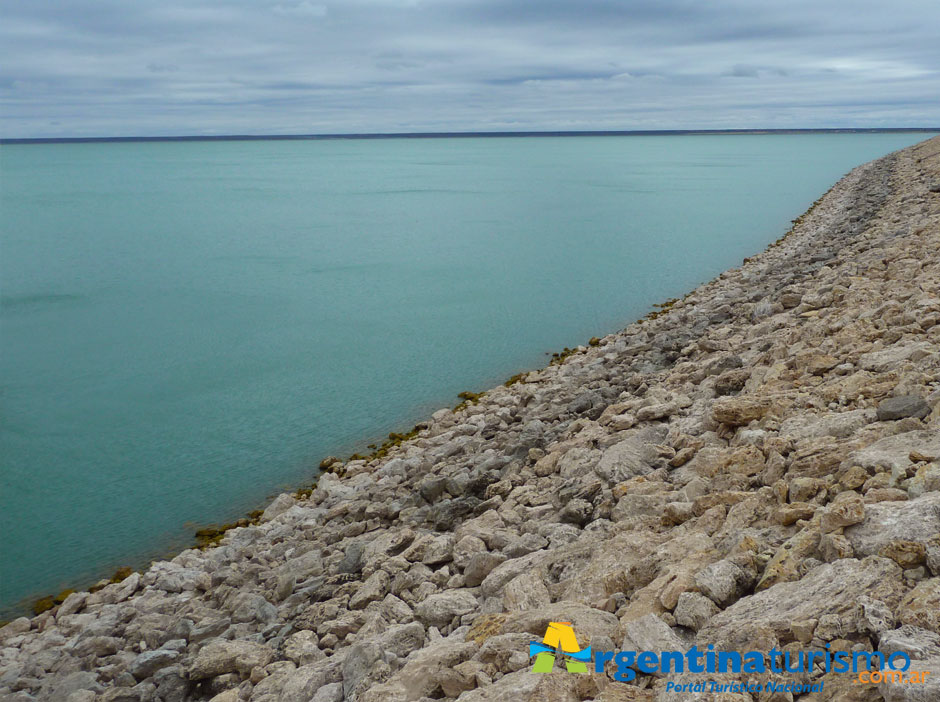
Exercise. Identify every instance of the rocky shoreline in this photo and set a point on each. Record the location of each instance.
(756, 466)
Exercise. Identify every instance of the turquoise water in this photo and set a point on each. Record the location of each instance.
(188, 328)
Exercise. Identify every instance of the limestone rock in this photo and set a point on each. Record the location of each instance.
(842, 513)
(900, 407)
(372, 590)
(723, 582)
(830, 589)
(526, 591)
(279, 506)
(626, 459)
(219, 656)
(917, 643)
(440, 609)
(921, 606)
(587, 622)
(893, 452)
(738, 411)
(650, 633)
(902, 691)
(694, 610)
(887, 522)
(149, 662)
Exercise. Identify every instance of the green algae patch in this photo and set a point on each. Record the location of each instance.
(121, 574)
(661, 309)
(211, 535)
(305, 493)
(468, 398)
(43, 604)
(560, 357)
(61, 597)
(394, 439)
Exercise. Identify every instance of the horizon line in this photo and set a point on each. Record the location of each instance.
(459, 134)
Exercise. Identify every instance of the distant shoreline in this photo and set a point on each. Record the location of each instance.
(465, 135)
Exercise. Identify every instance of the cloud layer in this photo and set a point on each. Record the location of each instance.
(119, 68)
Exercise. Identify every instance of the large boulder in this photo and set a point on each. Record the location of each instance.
(588, 623)
(220, 656)
(885, 522)
(301, 684)
(626, 459)
(921, 606)
(423, 675)
(440, 609)
(832, 589)
(890, 358)
(895, 408)
(739, 411)
(523, 686)
(893, 452)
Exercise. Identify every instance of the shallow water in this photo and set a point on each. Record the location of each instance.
(188, 328)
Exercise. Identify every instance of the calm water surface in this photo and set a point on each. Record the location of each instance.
(188, 328)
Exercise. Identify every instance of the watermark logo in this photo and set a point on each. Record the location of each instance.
(623, 666)
(559, 635)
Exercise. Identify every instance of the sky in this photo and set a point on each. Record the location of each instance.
(197, 67)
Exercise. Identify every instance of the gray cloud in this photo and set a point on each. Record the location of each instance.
(111, 67)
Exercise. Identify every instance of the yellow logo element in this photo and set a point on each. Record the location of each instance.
(559, 635)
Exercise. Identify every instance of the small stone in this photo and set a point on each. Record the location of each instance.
(723, 582)
(682, 457)
(650, 633)
(480, 565)
(372, 590)
(219, 656)
(795, 511)
(622, 422)
(874, 615)
(656, 412)
(149, 662)
(526, 592)
(19, 625)
(738, 411)
(694, 610)
(907, 554)
(843, 513)
(804, 630)
(440, 609)
(281, 504)
(933, 554)
(72, 604)
(885, 494)
(805, 489)
(731, 382)
(921, 606)
(917, 643)
(833, 547)
(854, 478)
(302, 648)
(678, 512)
(820, 365)
(578, 512)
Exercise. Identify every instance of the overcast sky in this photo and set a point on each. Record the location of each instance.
(173, 67)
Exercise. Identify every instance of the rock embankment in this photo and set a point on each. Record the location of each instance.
(757, 466)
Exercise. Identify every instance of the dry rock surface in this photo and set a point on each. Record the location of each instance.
(756, 466)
